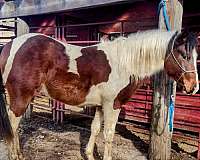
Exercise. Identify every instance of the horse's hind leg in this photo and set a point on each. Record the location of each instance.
(18, 104)
(110, 120)
(95, 129)
(13, 144)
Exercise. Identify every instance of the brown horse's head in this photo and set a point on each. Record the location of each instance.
(181, 61)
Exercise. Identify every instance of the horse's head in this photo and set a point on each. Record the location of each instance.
(181, 61)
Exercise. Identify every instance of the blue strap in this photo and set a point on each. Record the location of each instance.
(163, 5)
(171, 114)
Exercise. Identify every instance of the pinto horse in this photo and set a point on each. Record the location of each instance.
(97, 75)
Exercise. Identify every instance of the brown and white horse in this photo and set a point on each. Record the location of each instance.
(95, 75)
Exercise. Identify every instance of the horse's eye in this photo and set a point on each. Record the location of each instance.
(183, 54)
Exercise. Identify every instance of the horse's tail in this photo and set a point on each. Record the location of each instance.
(5, 126)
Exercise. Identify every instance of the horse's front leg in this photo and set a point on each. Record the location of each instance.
(14, 151)
(95, 129)
(110, 120)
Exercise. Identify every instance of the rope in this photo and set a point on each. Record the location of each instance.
(163, 5)
(171, 113)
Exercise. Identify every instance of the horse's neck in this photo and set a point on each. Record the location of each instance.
(138, 64)
(146, 68)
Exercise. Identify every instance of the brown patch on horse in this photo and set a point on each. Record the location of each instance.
(4, 55)
(70, 88)
(67, 87)
(126, 93)
(33, 62)
(94, 64)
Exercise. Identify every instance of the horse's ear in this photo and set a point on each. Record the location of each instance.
(193, 36)
(181, 38)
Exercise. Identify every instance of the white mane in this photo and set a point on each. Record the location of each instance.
(141, 54)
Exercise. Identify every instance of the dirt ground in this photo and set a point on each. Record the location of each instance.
(42, 139)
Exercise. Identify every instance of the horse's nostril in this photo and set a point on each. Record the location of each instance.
(189, 92)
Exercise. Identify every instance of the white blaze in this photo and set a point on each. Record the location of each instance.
(195, 65)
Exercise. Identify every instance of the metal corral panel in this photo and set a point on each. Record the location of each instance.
(187, 109)
(7, 30)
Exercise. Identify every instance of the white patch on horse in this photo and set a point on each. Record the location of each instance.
(16, 44)
(93, 98)
(194, 54)
(73, 52)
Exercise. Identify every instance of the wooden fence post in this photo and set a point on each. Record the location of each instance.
(160, 136)
(21, 27)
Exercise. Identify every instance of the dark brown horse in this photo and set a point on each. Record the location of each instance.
(95, 75)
